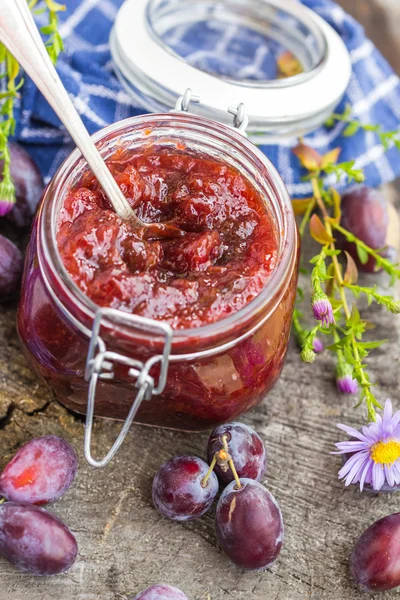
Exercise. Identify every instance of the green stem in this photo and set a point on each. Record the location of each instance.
(306, 217)
(358, 367)
(384, 262)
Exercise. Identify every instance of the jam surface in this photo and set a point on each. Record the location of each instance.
(217, 256)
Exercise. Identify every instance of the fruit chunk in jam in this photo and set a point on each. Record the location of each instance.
(222, 256)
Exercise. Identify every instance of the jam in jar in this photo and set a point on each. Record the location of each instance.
(218, 271)
(214, 251)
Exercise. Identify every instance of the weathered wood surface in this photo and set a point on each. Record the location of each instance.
(124, 544)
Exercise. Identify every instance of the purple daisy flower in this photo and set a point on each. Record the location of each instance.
(322, 308)
(318, 346)
(375, 452)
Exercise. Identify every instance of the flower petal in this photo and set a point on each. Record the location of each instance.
(387, 413)
(366, 474)
(350, 446)
(396, 472)
(389, 474)
(378, 477)
(354, 475)
(356, 459)
(352, 432)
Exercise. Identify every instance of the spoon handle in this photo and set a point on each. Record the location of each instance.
(18, 32)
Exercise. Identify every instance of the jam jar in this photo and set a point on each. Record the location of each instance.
(110, 363)
(103, 361)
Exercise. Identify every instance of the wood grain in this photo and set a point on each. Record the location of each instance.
(125, 545)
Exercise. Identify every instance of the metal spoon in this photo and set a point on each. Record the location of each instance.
(21, 37)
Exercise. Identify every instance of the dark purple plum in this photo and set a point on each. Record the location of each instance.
(28, 183)
(41, 471)
(246, 449)
(249, 525)
(375, 562)
(161, 592)
(178, 492)
(365, 215)
(11, 265)
(34, 540)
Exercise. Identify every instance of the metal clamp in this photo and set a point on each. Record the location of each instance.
(100, 365)
(183, 102)
(241, 120)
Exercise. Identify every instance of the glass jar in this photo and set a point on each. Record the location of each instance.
(192, 379)
(227, 53)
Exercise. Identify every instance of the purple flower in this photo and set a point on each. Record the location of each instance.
(347, 385)
(375, 452)
(322, 308)
(318, 346)
(344, 378)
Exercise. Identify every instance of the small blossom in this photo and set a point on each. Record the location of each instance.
(347, 385)
(7, 197)
(322, 308)
(307, 354)
(344, 378)
(318, 346)
(374, 452)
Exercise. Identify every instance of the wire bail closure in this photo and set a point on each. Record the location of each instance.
(101, 366)
(240, 121)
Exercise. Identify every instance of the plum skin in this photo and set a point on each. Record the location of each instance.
(375, 561)
(11, 265)
(33, 540)
(28, 183)
(40, 472)
(246, 449)
(177, 491)
(365, 215)
(161, 591)
(249, 525)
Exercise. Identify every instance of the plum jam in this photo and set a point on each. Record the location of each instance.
(217, 268)
(215, 255)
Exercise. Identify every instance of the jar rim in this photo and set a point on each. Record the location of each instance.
(48, 215)
(315, 33)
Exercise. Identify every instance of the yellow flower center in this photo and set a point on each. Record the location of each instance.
(385, 453)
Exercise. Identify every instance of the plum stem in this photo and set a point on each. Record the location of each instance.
(210, 470)
(230, 461)
(2, 500)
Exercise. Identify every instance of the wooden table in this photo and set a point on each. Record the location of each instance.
(124, 544)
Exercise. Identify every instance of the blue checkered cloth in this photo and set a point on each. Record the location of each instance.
(87, 72)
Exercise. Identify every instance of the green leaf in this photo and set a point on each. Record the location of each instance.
(354, 318)
(47, 29)
(351, 129)
(348, 354)
(371, 345)
(319, 232)
(351, 274)
(54, 6)
(362, 254)
(370, 127)
(3, 52)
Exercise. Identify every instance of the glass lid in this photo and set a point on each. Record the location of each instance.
(282, 61)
